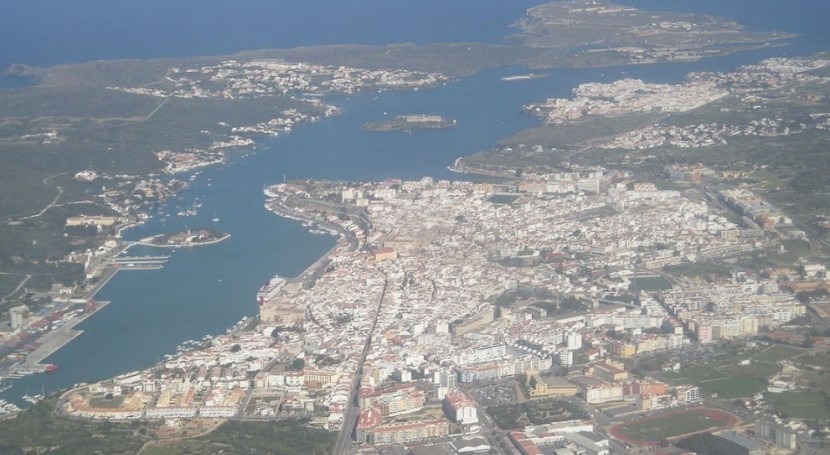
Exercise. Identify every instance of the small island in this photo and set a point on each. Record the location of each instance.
(186, 238)
(410, 122)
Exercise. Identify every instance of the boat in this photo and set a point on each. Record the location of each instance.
(50, 367)
(34, 399)
(523, 77)
(270, 289)
(8, 408)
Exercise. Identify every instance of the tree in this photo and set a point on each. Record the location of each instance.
(236, 348)
(710, 307)
(296, 365)
(708, 444)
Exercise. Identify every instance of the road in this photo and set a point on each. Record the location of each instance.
(51, 204)
(19, 286)
(344, 438)
(150, 115)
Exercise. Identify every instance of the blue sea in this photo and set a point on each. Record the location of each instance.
(203, 291)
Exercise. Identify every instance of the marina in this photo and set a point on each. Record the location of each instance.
(47, 342)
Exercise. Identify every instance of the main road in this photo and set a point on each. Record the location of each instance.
(344, 438)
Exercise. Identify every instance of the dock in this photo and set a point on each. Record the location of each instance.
(51, 342)
(139, 262)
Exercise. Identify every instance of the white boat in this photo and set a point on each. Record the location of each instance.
(270, 289)
(34, 399)
(8, 408)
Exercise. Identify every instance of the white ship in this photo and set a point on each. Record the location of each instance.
(523, 77)
(270, 289)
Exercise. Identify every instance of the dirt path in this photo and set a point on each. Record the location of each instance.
(51, 204)
(19, 286)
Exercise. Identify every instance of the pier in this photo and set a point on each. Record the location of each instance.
(51, 342)
(139, 262)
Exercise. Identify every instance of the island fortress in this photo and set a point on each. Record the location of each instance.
(411, 122)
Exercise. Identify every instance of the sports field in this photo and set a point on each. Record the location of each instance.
(651, 430)
(649, 283)
(803, 405)
(729, 376)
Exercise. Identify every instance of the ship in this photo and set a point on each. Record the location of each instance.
(270, 289)
(33, 399)
(523, 77)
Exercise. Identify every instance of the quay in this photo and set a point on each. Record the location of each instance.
(51, 342)
(125, 259)
(139, 262)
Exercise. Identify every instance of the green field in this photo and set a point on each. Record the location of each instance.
(803, 405)
(725, 376)
(669, 426)
(762, 370)
(702, 374)
(649, 283)
(503, 199)
(821, 359)
(109, 403)
(776, 353)
(735, 387)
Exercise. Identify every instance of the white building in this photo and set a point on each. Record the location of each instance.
(460, 408)
(574, 341)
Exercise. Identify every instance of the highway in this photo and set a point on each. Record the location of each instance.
(344, 438)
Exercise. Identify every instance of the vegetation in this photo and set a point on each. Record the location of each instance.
(761, 370)
(708, 444)
(801, 405)
(821, 359)
(703, 373)
(282, 438)
(649, 283)
(698, 269)
(778, 352)
(115, 132)
(38, 430)
(726, 378)
(536, 412)
(668, 426)
(452, 59)
(735, 387)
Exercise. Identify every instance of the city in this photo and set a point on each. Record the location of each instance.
(405, 304)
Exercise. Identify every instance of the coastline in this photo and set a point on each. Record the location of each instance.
(52, 342)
